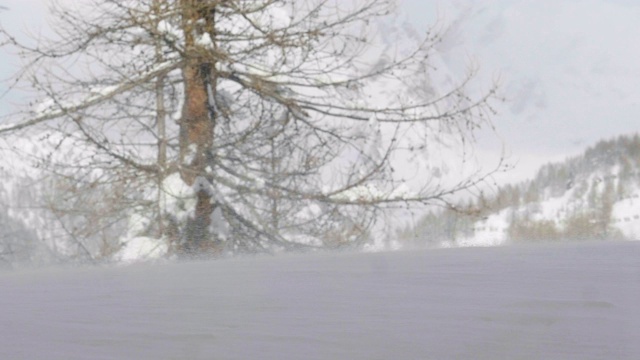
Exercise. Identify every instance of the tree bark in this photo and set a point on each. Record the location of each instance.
(161, 115)
(196, 125)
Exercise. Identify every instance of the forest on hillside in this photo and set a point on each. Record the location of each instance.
(587, 186)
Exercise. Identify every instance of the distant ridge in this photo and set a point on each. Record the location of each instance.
(594, 196)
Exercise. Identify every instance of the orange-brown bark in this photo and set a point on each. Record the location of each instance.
(196, 126)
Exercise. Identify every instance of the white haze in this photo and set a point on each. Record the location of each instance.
(568, 69)
(554, 302)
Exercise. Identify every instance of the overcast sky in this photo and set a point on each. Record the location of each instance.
(569, 68)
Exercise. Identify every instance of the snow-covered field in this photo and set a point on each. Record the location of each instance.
(543, 302)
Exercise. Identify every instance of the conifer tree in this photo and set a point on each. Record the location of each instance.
(282, 119)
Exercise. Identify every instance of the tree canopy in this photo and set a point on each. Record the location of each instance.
(238, 126)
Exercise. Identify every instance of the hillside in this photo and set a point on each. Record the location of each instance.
(37, 227)
(24, 228)
(594, 196)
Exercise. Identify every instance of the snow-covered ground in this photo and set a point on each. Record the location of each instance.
(544, 302)
(625, 214)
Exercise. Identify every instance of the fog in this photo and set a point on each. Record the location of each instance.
(542, 302)
(566, 72)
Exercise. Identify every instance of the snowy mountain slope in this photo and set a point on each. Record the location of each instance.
(594, 196)
(33, 192)
(543, 302)
(24, 227)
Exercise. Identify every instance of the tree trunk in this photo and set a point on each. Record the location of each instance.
(196, 125)
(162, 128)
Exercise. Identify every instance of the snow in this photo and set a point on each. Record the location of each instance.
(219, 224)
(551, 302)
(402, 192)
(137, 224)
(363, 193)
(26, 192)
(192, 152)
(205, 41)
(202, 184)
(142, 249)
(45, 106)
(489, 232)
(626, 216)
(180, 199)
(167, 28)
(103, 90)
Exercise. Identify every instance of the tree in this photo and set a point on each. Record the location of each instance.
(533, 231)
(232, 125)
